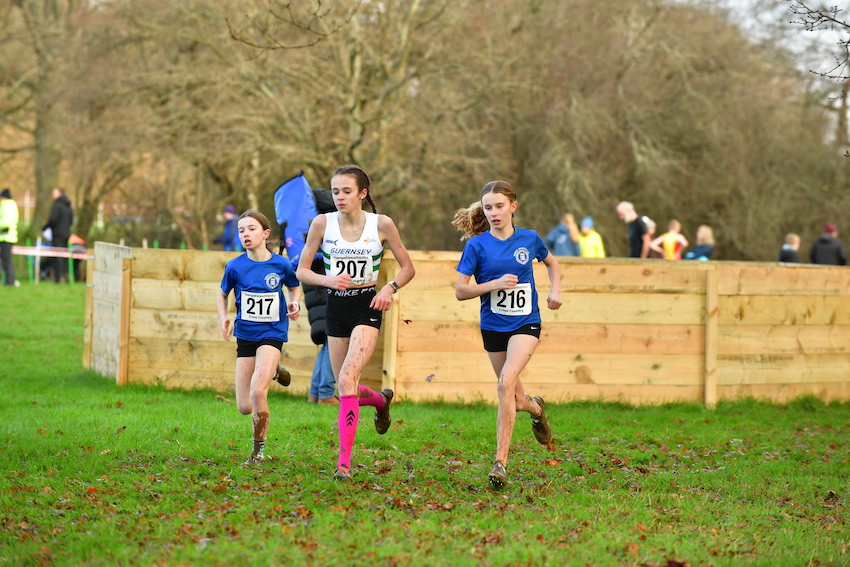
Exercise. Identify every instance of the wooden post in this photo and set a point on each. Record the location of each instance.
(390, 328)
(711, 320)
(124, 330)
(89, 320)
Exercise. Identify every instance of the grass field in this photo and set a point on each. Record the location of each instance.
(94, 474)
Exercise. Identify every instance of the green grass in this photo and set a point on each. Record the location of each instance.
(94, 474)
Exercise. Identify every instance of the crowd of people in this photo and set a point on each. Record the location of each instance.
(56, 233)
(568, 239)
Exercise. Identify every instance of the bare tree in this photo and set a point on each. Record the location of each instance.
(818, 17)
(32, 104)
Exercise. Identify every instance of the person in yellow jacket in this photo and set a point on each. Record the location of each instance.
(590, 241)
(8, 234)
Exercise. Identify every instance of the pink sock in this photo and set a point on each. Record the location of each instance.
(349, 413)
(369, 397)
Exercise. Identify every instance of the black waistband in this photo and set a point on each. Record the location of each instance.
(352, 292)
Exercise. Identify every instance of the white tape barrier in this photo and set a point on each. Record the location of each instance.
(51, 252)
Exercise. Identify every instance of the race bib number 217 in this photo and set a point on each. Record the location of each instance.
(260, 307)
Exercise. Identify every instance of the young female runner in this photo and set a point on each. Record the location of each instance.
(257, 278)
(352, 242)
(499, 255)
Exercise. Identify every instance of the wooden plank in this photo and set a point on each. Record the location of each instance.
(106, 324)
(637, 308)
(782, 393)
(783, 279)
(389, 326)
(124, 329)
(160, 294)
(557, 393)
(440, 336)
(107, 286)
(175, 324)
(215, 355)
(455, 368)
(591, 307)
(783, 310)
(434, 275)
(437, 305)
(200, 326)
(585, 275)
(88, 324)
(180, 265)
(107, 257)
(711, 318)
(782, 369)
(187, 295)
(649, 276)
(218, 381)
(784, 339)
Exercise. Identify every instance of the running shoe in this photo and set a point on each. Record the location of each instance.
(257, 458)
(382, 416)
(342, 474)
(282, 376)
(540, 425)
(498, 477)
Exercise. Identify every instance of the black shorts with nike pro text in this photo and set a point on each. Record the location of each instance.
(349, 308)
(497, 341)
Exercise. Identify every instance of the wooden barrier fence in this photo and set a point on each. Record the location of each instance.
(635, 331)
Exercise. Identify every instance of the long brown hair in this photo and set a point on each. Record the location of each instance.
(471, 221)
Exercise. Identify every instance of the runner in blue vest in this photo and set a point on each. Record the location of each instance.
(352, 243)
(257, 279)
(499, 255)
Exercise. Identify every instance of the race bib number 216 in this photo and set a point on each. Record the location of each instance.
(516, 301)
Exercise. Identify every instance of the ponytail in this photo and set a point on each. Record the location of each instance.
(471, 221)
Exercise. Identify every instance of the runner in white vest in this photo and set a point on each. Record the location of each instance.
(352, 243)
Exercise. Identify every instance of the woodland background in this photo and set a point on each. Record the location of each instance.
(153, 114)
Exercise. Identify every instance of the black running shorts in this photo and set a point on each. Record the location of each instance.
(497, 341)
(349, 308)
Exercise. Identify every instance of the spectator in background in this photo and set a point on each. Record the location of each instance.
(704, 247)
(590, 241)
(59, 223)
(670, 244)
(229, 239)
(827, 249)
(651, 230)
(8, 235)
(788, 253)
(563, 240)
(639, 237)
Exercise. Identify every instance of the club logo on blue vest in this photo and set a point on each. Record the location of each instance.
(272, 281)
(521, 255)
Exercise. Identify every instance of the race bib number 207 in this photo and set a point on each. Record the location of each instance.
(358, 267)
